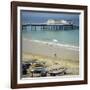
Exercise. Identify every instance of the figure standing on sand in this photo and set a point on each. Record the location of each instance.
(55, 54)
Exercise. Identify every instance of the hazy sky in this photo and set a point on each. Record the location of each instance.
(42, 17)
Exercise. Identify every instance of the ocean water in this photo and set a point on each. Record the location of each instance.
(66, 37)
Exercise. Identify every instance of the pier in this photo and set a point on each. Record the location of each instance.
(50, 25)
(46, 27)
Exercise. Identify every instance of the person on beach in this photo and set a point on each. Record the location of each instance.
(55, 54)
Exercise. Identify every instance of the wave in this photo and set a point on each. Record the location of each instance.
(56, 43)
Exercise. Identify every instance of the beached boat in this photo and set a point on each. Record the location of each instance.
(57, 72)
(38, 71)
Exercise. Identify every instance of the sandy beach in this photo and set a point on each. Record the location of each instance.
(53, 55)
(50, 49)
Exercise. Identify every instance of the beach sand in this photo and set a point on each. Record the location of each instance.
(50, 49)
(52, 55)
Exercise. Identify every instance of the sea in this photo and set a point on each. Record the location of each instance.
(65, 37)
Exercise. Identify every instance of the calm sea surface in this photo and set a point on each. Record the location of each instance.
(69, 37)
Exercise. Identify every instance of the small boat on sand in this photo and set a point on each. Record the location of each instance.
(57, 72)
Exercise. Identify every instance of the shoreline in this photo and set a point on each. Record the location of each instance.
(55, 44)
(50, 49)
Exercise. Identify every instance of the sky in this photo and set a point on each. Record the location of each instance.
(42, 17)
